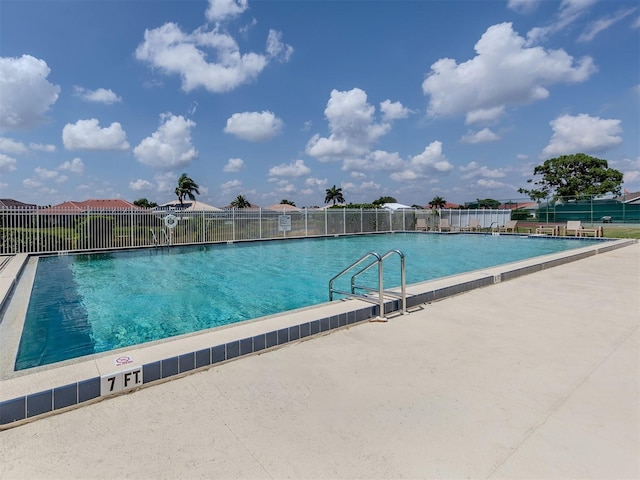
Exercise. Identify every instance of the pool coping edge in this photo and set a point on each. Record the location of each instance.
(34, 403)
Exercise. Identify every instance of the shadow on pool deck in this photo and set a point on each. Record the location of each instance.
(537, 377)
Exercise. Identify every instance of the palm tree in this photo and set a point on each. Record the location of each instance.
(287, 202)
(186, 187)
(437, 202)
(240, 202)
(334, 194)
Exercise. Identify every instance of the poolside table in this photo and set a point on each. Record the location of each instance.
(547, 231)
(585, 232)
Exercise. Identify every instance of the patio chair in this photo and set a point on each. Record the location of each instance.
(573, 226)
(421, 224)
(444, 225)
(510, 226)
(474, 224)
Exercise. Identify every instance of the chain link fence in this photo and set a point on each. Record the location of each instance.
(589, 210)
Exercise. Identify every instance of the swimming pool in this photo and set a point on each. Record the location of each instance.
(92, 303)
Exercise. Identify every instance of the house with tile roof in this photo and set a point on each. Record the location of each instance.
(530, 207)
(69, 213)
(187, 206)
(11, 203)
(629, 198)
(108, 204)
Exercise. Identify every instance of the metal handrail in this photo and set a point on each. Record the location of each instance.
(155, 239)
(166, 237)
(377, 260)
(403, 283)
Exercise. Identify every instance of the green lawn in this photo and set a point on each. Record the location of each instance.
(622, 232)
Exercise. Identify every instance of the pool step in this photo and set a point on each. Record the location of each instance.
(4, 259)
(10, 269)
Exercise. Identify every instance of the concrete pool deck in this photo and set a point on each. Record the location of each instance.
(537, 377)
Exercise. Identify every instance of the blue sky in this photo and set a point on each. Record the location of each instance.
(283, 99)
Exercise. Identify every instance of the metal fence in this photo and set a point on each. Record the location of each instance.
(57, 230)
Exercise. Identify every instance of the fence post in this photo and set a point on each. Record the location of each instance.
(204, 226)
(325, 221)
(306, 223)
(38, 244)
(344, 221)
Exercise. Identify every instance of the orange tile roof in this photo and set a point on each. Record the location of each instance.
(94, 204)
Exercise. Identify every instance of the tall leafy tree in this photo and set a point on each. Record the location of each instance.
(382, 200)
(144, 203)
(186, 188)
(573, 176)
(488, 203)
(437, 202)
(334, 195)
(284, 201)
(240, 202)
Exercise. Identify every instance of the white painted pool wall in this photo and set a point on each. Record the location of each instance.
(35, 231)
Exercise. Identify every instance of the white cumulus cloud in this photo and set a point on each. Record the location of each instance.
(432, 161)
(276, 48)
(295, 169)
(42, 147)
(101, 95)
(503, 72)
(523, 6)
(316, 182)
(219, 10)
(378, 160)
(393, 110)
(7, 163)
(76, 166)
(582, 134)
(25, 93)
(46, 174)
(170, 145)
(88, 135)
(352, 126)
(234, 165)
(483, 182)
(482, 136)
(474, 170)
(230, 186)
(173, 52)
(485, 115)
(254, 126)
(140, 184)
(9, 145)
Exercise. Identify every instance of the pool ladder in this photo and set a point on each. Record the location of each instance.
(373, 258)
(155, 238)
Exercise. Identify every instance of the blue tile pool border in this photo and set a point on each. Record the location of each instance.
(15, 411)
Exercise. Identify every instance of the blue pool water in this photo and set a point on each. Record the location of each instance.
(91, 303)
